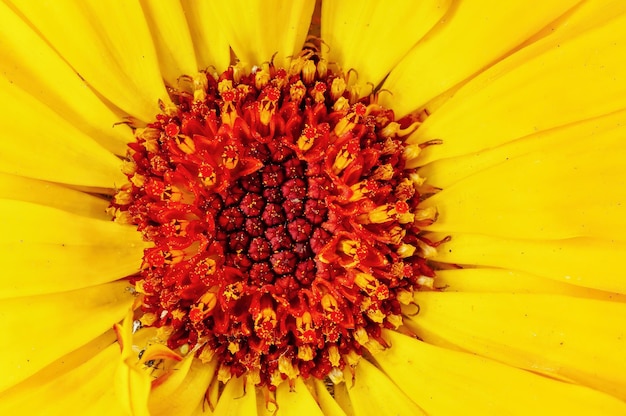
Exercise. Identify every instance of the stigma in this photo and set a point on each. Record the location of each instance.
(284, 222)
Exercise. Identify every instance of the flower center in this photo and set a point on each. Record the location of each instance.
(285, 226)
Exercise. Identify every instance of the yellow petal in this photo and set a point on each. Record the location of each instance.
(574, 338)
(342, 398)
(257, 30)
(373, 393)
(498, 111)
(172, 39)
(386, 33)
(53, 195)
(184, 390)
(71, 251)
(579, 261)
(470, 38)
(487, 280)
(30, 63)
(114, 52)
(85, 386)
(38, 143)
(445, 382)
(39, 329)
(326, 402)
(238, 398)
(296, 400)
(132, 384)
(559, 191)
(446, 172)
(210, 44)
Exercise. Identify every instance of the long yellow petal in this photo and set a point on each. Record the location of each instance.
(132, 384)
(562, 336)
(446, 172)
(172, 39)
(210, 44)
(559, 191)
(258, 30)
(70, 251)
(184, 390)
(489, 280)
(39, 329)
(114, 52)
(238, 398)
(579, 261)
(371, 37)
(373, 393)
(499, 110)
(445, 382)
(296, 400)
(37, 142)
(472, 36)
(30, 63)
(86, 388)
(326, 402)
(53, 195)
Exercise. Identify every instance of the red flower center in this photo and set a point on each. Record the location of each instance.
(283, 221)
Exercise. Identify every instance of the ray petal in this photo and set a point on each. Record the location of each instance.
(555, 192)
(445, 382)
(561, 336)
(172, 39)
(39, 143)
(297, 400)
(260, 30)
(114, 52)
(71, 319)
(387, 33)
(493, 110)
(71, 251)
(579, 261)
(472, 36)
(210, 44)
(42, 73)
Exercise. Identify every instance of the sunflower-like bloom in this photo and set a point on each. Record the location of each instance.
(341, 208)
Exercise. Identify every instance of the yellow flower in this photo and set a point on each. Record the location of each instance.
(520, 157)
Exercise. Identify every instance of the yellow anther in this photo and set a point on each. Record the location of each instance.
(305, 353)
(404, 190)
(224, 374)
(360, 335)
(333, 355)
(342, 104)
(329, 303)
(406, 250)
(337, 88)
(138, 180)
(322, 69)
(261, 78)
(206, 355)
(412, 151)
(123, 197)
(230, 157)
(383, 172)
(426, 281)
(233, 347)
(297, 91)
(404, 297)
(381, 214)
(128, 167)
(186, 144)
(308, 72)
(343, 159)
(224, 85)
(428, 251)
(391, 129)
(426, 214)
(417, 179)
(396, 234)
(395, 320)
(286, 367)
